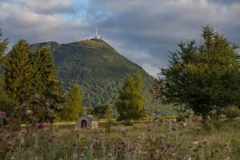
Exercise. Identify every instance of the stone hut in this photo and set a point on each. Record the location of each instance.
(87, 121)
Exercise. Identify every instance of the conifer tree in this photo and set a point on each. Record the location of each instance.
(3, 48)
(18, 73)
(130, 101)
(5, 102)
(73, 106)
(44, 71)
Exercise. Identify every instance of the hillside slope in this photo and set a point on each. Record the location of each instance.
(96, 66)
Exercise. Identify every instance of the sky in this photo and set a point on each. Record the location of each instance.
(144, 31)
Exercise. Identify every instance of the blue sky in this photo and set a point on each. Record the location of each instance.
(144, 31)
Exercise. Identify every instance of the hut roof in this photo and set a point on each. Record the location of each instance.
(92, 117)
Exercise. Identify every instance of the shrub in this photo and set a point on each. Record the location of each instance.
(232, 112)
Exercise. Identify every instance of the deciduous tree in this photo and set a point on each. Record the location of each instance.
(203, 77)
(130, 101)
(73, 106)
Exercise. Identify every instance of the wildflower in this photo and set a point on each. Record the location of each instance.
(74, 144)
(2, 115)
(162, 148)
(50, 140)
(94, 145)
(130, 149)
(122, 142)
(41, 126)
(170, 155)
(168, 145)
(44, 155)
(181, 134)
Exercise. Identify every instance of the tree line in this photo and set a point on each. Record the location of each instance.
(203, 78)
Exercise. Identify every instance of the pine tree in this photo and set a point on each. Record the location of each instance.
(130, 101)
(18, 73)
(44, 71)
(5, 102)
(73, 106)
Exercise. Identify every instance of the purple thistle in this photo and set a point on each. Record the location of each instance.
(74, 144)
(94, 145)
(170, 155)
(2, 115)
(122, 143)
(41, 126)
(50, 140)
(130, 149)
(168, 145)
(162, 148)
(44, 155)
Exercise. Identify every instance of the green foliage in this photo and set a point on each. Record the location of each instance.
(5, 101)
(96, 66)
(89, 111)
(3, 48)
(44, 71)
(203, 77)
(130, 101)
(18, 73)
(231, 112)
(6, 104)
(109, 112)
(73, 106)
(103, 111)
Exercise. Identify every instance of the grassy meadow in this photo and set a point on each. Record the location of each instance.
(160, 139)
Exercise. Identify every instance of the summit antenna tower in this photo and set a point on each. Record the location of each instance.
(96, 33)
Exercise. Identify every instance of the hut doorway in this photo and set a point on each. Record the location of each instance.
(83, 124)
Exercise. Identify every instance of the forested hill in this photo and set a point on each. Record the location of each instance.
(96, 66)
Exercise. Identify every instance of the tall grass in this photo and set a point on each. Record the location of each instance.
(158, 139)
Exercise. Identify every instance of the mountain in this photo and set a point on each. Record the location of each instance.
(96, 66)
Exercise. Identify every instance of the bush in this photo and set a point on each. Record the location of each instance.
(232, 112)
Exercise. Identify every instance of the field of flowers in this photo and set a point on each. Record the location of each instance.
(160, 139)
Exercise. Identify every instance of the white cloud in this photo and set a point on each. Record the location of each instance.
(143, 31)
(45, 5)
(152, 70)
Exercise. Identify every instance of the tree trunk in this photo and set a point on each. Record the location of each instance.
(204, 118)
